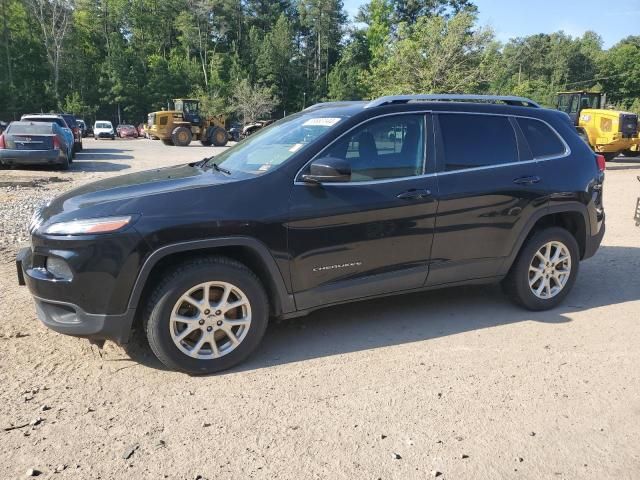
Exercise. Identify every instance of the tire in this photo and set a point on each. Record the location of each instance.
(168, 142)
(516, 284)
(181, 136)
(167, 297)
(219, 137)
(631, 153)
(65, 164)
(113, 137)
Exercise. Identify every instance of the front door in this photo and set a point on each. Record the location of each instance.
(371, 235)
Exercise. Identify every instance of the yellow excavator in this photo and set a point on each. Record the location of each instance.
(609, 132)
(184, 123)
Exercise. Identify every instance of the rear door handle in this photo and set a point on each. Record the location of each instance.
(414, 194)
(530, 180)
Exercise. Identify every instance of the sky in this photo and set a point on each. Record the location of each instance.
(518, 18)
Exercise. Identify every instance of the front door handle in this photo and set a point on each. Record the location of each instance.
(530, 180)
(414, 194)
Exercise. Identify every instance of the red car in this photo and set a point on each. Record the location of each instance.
(127, 131)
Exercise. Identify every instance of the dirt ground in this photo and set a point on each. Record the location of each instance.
(457, 383)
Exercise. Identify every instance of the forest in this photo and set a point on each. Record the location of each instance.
(120, 59)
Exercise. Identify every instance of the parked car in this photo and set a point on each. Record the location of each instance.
(83, 127)
(142, 131)
(58, 120)
(75, 128)
(319, 209)
(127, 131)
(103, 129)
(34, 143)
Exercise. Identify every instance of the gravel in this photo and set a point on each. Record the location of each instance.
(18, 204)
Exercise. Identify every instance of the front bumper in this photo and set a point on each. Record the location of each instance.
(31, 157)
(105, 135)
(94, 302)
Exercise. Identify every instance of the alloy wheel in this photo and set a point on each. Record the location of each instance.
(549, 270)
(210, 320)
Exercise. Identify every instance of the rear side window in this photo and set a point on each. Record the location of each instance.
(472, 141)
(542, 141)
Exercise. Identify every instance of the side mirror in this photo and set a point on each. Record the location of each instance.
(328, 170)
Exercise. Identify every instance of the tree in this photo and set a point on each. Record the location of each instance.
(251, 102)
(436, 55)
(54, 18)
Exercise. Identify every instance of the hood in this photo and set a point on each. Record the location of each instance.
(121, 194)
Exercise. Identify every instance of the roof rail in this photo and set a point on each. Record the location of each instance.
(452, 97)
(331, 104)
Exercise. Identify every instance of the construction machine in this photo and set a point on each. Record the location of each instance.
(609, 132)
(184, 123)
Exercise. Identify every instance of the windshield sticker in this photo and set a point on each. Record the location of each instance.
(264, 168)
(295, 148)
(322, 121)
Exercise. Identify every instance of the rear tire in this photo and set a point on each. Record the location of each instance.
(168, 316)
(526, 282)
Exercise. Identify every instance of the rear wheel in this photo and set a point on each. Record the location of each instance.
(206, 315)
(181, 136)
(65, 163)
(545, 270)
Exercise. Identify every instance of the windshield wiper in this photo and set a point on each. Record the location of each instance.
(218, 168)
(205, 161)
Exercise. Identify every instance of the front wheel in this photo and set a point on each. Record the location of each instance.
(206, 315)
(545, 270)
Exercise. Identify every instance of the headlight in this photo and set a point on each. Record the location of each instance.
(91, 225)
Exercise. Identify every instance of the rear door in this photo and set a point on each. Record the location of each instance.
(489, 186)
(371, 235)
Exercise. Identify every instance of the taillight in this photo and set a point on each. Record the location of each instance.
(56, 143)
(2, 145)
(602, 163)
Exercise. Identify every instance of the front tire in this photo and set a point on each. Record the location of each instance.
(206, 315)
(181, 136)
(544, 271)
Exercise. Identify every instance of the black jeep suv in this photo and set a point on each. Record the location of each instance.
(342, 201)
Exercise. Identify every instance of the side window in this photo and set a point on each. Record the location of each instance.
(472, 141)
(163, 120)
(388, 147)
(542, 141)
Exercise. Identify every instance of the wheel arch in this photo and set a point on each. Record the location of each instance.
(572, 217)
(251, 252)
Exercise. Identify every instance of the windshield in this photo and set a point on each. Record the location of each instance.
(274, 145)
(103, 125)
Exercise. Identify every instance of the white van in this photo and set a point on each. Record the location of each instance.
(103, 129)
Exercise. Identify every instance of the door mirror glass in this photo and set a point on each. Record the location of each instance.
(328, 170)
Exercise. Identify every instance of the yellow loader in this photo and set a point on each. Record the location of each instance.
(184, 123)
(609, 132)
